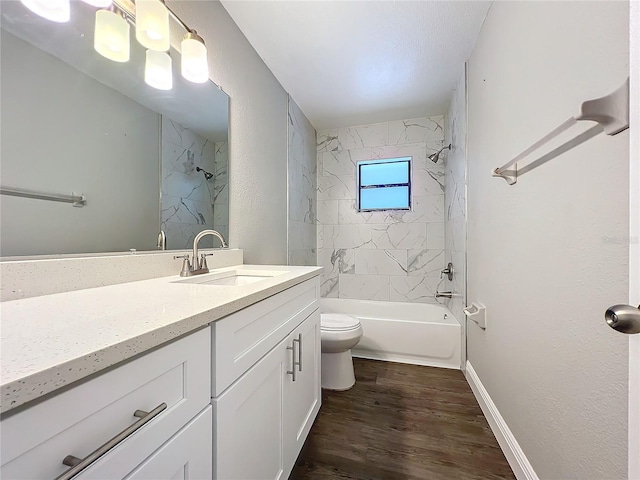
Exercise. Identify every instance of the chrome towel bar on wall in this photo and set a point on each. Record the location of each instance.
(611, 113)
(76, 199)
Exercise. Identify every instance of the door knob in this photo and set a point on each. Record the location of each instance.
(623, 318)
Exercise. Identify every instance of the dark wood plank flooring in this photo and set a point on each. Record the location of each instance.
(403, 422)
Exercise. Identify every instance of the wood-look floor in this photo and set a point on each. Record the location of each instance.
(402, 422)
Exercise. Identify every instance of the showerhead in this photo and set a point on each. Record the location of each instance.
(434, 156)
(207, 175)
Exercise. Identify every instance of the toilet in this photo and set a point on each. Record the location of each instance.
(339, 333)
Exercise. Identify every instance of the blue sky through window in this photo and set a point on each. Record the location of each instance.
(387, 197)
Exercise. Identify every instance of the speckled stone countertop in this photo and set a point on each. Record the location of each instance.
(50, 341)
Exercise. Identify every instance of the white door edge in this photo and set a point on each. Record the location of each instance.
(634, 238)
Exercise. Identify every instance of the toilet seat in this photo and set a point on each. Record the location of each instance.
(338, 322)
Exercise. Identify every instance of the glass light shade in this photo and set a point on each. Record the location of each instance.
(54, 10)
(111, 37)
(152, 25)
(194, 64)
(99, 3)
(157, 70)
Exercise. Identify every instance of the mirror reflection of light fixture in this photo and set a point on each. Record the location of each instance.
(151, 20)
(194, 64)
(152, 25)
(111, 37)
(157, 70)
(54, 10)
(99, 3)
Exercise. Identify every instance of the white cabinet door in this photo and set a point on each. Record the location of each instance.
(186, 456)
(248, 435)
(302, 398)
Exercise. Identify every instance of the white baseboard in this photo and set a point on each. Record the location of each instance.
(519, 463)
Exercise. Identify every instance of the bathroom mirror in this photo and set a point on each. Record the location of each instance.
(135, 159)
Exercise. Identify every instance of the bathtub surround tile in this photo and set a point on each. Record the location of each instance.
(367, 249)
(399, 235)
(329, 286)
(428, 263)
(328, 212)
(327, 141)
(343, 162)
(341, 260)
(347, 236)
(363, 136)
(302, 236)
(427, 182)
(336, 187)
(435, 236)
(413, 289)
(455, 199)
(416, 130)
(381, 262)
(364, 287)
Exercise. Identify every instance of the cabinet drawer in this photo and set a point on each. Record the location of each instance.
(187, 456)
(243, 338)
(81, 419)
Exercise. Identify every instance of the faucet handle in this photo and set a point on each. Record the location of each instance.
(203, 260)
(186, 265)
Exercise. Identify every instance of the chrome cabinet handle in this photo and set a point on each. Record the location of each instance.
(292, 372)
(79, 464)
(299, 351)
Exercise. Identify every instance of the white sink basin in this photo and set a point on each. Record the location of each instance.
(231, 278)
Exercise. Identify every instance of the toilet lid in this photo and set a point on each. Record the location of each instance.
(338, 321)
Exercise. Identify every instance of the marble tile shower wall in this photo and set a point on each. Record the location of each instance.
(221, 189)
(187, 205)
(455, 198)
(302, 166)
(393, 255)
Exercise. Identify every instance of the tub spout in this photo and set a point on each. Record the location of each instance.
(444, 294)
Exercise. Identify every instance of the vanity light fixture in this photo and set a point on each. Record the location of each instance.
(152, 25)
(99, 3)
(194, 64)
(54, 10)
(157, 70)
(111, 37)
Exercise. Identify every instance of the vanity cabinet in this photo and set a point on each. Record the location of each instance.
(77, 421)
(233, 400)
(263, 418)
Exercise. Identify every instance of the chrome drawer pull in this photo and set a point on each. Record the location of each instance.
(299, 351)
(292, 372)
(78, 465)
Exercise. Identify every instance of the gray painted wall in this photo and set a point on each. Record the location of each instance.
(548, 255)
(112, 159)
(257, 134)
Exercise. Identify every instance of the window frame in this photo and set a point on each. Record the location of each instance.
(359, 188)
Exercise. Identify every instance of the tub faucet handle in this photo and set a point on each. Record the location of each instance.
(447, 271)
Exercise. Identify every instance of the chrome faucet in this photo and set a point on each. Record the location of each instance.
(198, 266)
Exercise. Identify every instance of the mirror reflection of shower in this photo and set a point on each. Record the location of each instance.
(434, 156)
(207, 175)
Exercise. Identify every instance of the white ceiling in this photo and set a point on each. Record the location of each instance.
(350, 63)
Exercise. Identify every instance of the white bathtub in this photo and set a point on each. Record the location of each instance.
(417, 333)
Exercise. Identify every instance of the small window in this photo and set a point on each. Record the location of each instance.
(384, 184)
